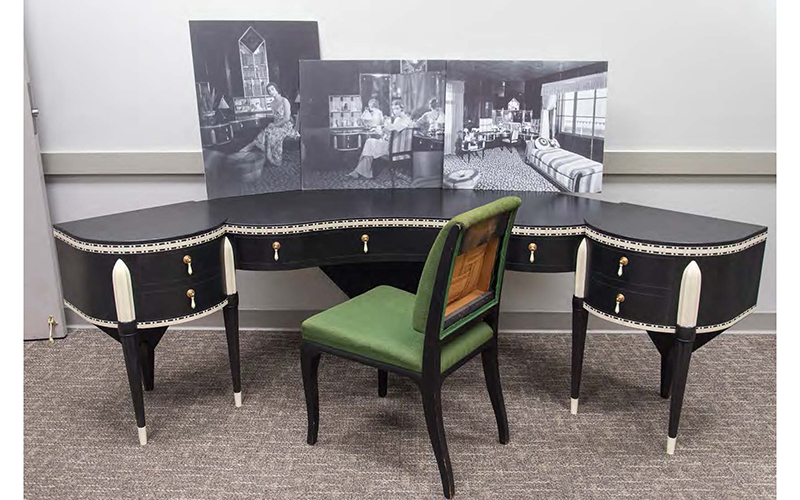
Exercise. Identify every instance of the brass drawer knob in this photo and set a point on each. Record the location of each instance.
(620, 300)
(623, 261)
(276, 246)
(190, 294)
(187, 259)
(532, 249)
(365, 239)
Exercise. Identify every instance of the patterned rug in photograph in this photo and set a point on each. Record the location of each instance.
(80, 436)
(500, 169)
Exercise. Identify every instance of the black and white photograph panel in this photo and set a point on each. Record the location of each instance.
(372, 124)
(525, 125)
(247, 85)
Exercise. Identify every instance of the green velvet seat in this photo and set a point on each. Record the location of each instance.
(377, 325)
(428, 335)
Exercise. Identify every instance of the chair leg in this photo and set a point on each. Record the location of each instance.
(383, 382)
(432, 404)
(309, 362)
(491, 371)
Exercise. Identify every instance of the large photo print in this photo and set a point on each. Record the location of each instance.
(247, 86)
(372, 124)
(525, 125)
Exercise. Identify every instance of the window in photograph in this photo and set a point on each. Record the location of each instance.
(583, 112)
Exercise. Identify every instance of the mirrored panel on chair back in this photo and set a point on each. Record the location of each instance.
(475, 263)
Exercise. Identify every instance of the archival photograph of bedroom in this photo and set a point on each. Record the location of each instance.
(372, 123)
(525, 125)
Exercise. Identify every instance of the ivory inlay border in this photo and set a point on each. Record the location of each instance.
(664, 328)
(649, 248)
(149, 324)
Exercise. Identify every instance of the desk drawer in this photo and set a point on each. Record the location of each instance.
(638, 303)
(172, 267)
(552, 253)
(158, 303)
(332, 247)
(637, 268)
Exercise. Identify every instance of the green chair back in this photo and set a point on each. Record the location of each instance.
(463, 274)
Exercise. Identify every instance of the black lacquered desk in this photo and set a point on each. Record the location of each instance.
(682, 278)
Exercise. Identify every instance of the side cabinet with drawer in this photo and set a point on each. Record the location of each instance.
(682, 295)
(134, 292)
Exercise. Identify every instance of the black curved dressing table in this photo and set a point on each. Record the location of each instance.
(682, 278)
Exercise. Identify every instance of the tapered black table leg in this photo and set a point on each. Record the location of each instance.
(230, 314)
(681, 355)
(491, 372)
(130, 351)
(383, 382)
(147, 357)
(432, 404)
(666, 375)
(580, 317)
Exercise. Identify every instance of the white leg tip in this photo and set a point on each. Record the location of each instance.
(671, 445)
(573, 406)
(143, 435)
(237, 399)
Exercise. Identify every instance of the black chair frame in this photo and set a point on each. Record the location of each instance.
(431, 378)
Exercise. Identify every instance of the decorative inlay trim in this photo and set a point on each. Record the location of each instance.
(149, 324)
(162, 246)
(686, 251)
(663, 328)
(548, 231)
(649, 248)
(336, 224)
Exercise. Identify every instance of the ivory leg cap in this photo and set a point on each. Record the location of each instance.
(143, 435)
(671, 445)
(573, 406)
(237, 399)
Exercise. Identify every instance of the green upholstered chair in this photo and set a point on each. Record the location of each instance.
(427, 336)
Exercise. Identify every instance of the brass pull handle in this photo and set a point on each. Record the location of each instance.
(532, 249)
(620, 300)
(623, 261)
(276, 246)
(51, 323)
(187, 259)
(365, 239)
(190, 294)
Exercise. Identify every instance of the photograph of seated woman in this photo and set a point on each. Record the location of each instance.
(433, 118)
(270, 140)
(247, 85)
(372, 115)
(378, 147)
(368, 124)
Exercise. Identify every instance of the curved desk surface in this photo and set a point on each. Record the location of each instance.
(293, 208)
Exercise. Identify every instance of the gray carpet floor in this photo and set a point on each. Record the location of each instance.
(80, 433)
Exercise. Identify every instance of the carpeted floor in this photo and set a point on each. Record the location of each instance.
(80, 433)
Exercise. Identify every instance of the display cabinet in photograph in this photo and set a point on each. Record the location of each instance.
(343, 114)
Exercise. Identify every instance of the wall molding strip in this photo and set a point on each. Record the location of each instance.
(616, 163)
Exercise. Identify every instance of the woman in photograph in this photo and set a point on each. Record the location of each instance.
(432, 118)
(377, 147)
(270, 140)
(372, 115)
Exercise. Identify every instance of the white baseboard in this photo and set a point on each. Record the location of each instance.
(522, 322)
